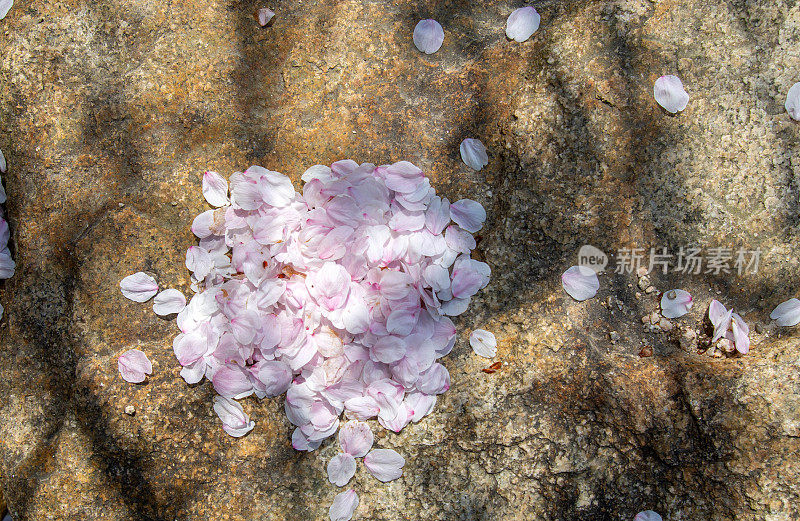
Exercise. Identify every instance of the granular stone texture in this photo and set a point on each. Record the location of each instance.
(110, 111)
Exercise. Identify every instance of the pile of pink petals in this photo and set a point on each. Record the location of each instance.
(338, 296)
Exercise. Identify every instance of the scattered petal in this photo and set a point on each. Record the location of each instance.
(428, 36)
(133, 365)
(344, 504)
(670, 94)
(474, 154)
(139, 287)
(792, 102)
(384, 464)
(5, 5)
(215, 189)
(169, 301)
(522, 23)
(468, 214)
(341, 468)
(580, 282)
(234, 420)
(675, 303)
(483, 343)
(787, 313)
(647, 515)
(264, 16)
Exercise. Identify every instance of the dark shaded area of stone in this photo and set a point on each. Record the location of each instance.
(112, 109)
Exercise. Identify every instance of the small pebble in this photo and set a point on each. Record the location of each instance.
(665, 324)
(650, 290)
(646, 319)
(130, 410)
(174, 203)
(644, 282)
(655, 317)
(638, 295)
(646, 351)
(760, 329)
(614, 336)
(122, 205)
(641, 272)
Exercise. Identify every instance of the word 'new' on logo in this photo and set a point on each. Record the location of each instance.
(592, 258)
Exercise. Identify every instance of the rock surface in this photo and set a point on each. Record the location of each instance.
(111, 110)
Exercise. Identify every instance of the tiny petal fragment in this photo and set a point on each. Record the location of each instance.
(483, 343)
(356, 438)
(787, 313)
(139, 287)
(134, 365)
(215, 189)
(344, 504)
(473, 153)
(384, 464)
(522, 23)
(5, 5)
(670, 94)
(341, 468)
(428, 36)
(647, 515)
(264, 16)
(3, 165)
(169, 301)
(676, 303)
(580, 282)
(234, 420)
(793, 102)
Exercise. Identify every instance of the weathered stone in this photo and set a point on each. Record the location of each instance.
(112, 109)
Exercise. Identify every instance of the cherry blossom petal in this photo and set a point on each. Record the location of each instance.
(670, 94)
(473, 153)
(483, 343)
(344, 504)
(275, 375)
(741, 331)
(5, 5)
(215, 189)
(385, 464)
(264, 16)
(675, 303)
(234, 420)
(522, 23)
(647, 515)
(468, 214)
(356, 438)
(169, 301)
(787, 313)
(139, 287)
(232, 382)
(341, 468)
(580, 282)
(428, 36)
(721, 319)
(792, 102)
(134, 365)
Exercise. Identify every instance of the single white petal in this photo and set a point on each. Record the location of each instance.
(169, 301)
(647, 515)
(139, 287)
(344, 504)
(787, 313)
(675, 303)
(5, 5)
(428, 36)
(234, 420)
(133, 365)
(792, 102)
(483, 343)
(264, 16)
(580, 282)
(215, 189)
(473, 153)
(670, 94)
(341, 468)
(522, 23)
(384, 464)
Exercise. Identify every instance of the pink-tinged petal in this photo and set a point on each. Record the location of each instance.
(740, 334)
(437, 277)
(264, 16)
(169, 301)
(437, 216)
(246, 193)
(385, 464)
(455, 307)
(459, 240)
(483, 343)
(787, 313)
(133, 365)
(670, 94)
(395, 285)
(301, 442)
(234, 420)
(792, 102)
(189, 348)
(232, 382)
(716, 312)
(466, 282)
(676, 303)
(522, 23)
(403, 177)
(474, 155)
(275, 375)
(401, 321)
(193, 373)
(7, 264)
(388, 349)
(276, 189)
(5, 6)
(580, 282)
(421, 404)
(468, 214)
(341, 469)
(647, 515)
(362, 407)
(329, 285)
(215, 189)
(435, 380)
(199, 262)
(321, 172)
(406, 221)
(3, 196)
(202, 224)
(356, 438)
(344, 504)
(428, 36)
(139, 287)
(3, 165)
(244, 326)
